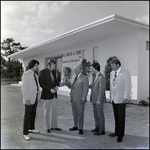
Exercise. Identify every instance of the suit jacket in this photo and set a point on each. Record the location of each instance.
(122, 86)
(80, 89)
(29, 87)
(98, 89)
(47, 84)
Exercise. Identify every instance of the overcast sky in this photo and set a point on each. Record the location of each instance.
(34, 22)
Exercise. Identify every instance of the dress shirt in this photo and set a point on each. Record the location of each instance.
(117, 71)
(79, 75)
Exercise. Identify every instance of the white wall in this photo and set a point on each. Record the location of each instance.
(143, 66)
(125, 46)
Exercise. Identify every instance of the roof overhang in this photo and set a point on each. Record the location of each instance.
(107, 26)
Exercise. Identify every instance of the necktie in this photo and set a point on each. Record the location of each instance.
(36, 82)
(52, 77)
(75, 79)
(115, 77)
(93, 79)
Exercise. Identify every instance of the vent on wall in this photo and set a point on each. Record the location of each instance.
(147, 45)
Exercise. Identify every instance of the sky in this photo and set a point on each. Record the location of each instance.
(34, 22)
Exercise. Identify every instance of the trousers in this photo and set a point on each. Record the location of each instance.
(50, 113)
(119, 115)
(78, 114)
(99, 117)
(29, 117)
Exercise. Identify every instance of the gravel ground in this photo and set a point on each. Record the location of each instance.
(12, 111)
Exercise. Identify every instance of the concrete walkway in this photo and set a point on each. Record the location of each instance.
(12, 111)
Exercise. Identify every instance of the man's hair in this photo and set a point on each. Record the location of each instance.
(116, 61)
(50, 62)
(32, 63)
(96, 66)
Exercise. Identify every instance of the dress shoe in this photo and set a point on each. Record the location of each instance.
(80, 131)
(113, 134)
(26, 137)
(34, 131)
(58, 129)
(73, 129)
(95, 130)
(48, 130)
(119, 139)
(99, 133)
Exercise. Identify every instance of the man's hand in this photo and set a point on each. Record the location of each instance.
(98, 103)
(27, 102)
(52, 91)
(56, 88)
(125, 100)
(82, 100)
(61, 84)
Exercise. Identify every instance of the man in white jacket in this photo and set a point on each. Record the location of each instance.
(120, 89)
(30, 89)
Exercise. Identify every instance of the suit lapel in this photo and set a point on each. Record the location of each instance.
(97, 78)
(119, 75)
(78, 79)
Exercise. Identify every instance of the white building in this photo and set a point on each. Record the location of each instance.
(114, 35)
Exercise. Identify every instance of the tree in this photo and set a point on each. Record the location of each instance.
(3, 67)
(8, 47)
(107, 71)
(86, 66)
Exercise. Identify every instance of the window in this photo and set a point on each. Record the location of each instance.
(95, 54)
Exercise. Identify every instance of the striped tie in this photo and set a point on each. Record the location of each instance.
(115, 77)
(93, 79)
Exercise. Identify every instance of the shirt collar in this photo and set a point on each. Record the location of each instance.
(32, 71)
(97, 73)
(118, 70)
(79, 75)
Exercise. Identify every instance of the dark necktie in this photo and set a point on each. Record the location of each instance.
(75, 79)
(36, 82)
(52, 77)
(115, 77)
(93, 79)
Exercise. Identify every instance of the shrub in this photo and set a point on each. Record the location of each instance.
(107, 71)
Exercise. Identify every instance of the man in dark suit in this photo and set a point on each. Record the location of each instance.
(49, 83)
(79, 91)
(120, 89)
(98, 98)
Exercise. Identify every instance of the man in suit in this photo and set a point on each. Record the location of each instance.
(79, 91)
(49, 83)
(30, 89)
(120, 89)
(98, 98)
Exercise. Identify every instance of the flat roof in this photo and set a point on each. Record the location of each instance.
(106, 26)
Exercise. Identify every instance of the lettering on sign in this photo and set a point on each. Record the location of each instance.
(79, 52)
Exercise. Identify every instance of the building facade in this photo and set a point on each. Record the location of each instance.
(114, 35)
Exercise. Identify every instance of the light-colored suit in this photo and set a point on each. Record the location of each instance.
(79, 90)
(121, 89)
(29, 87)
(98, 94)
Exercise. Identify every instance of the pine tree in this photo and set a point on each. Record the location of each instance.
(107, 71)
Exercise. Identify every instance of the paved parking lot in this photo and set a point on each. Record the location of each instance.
(12, 110)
